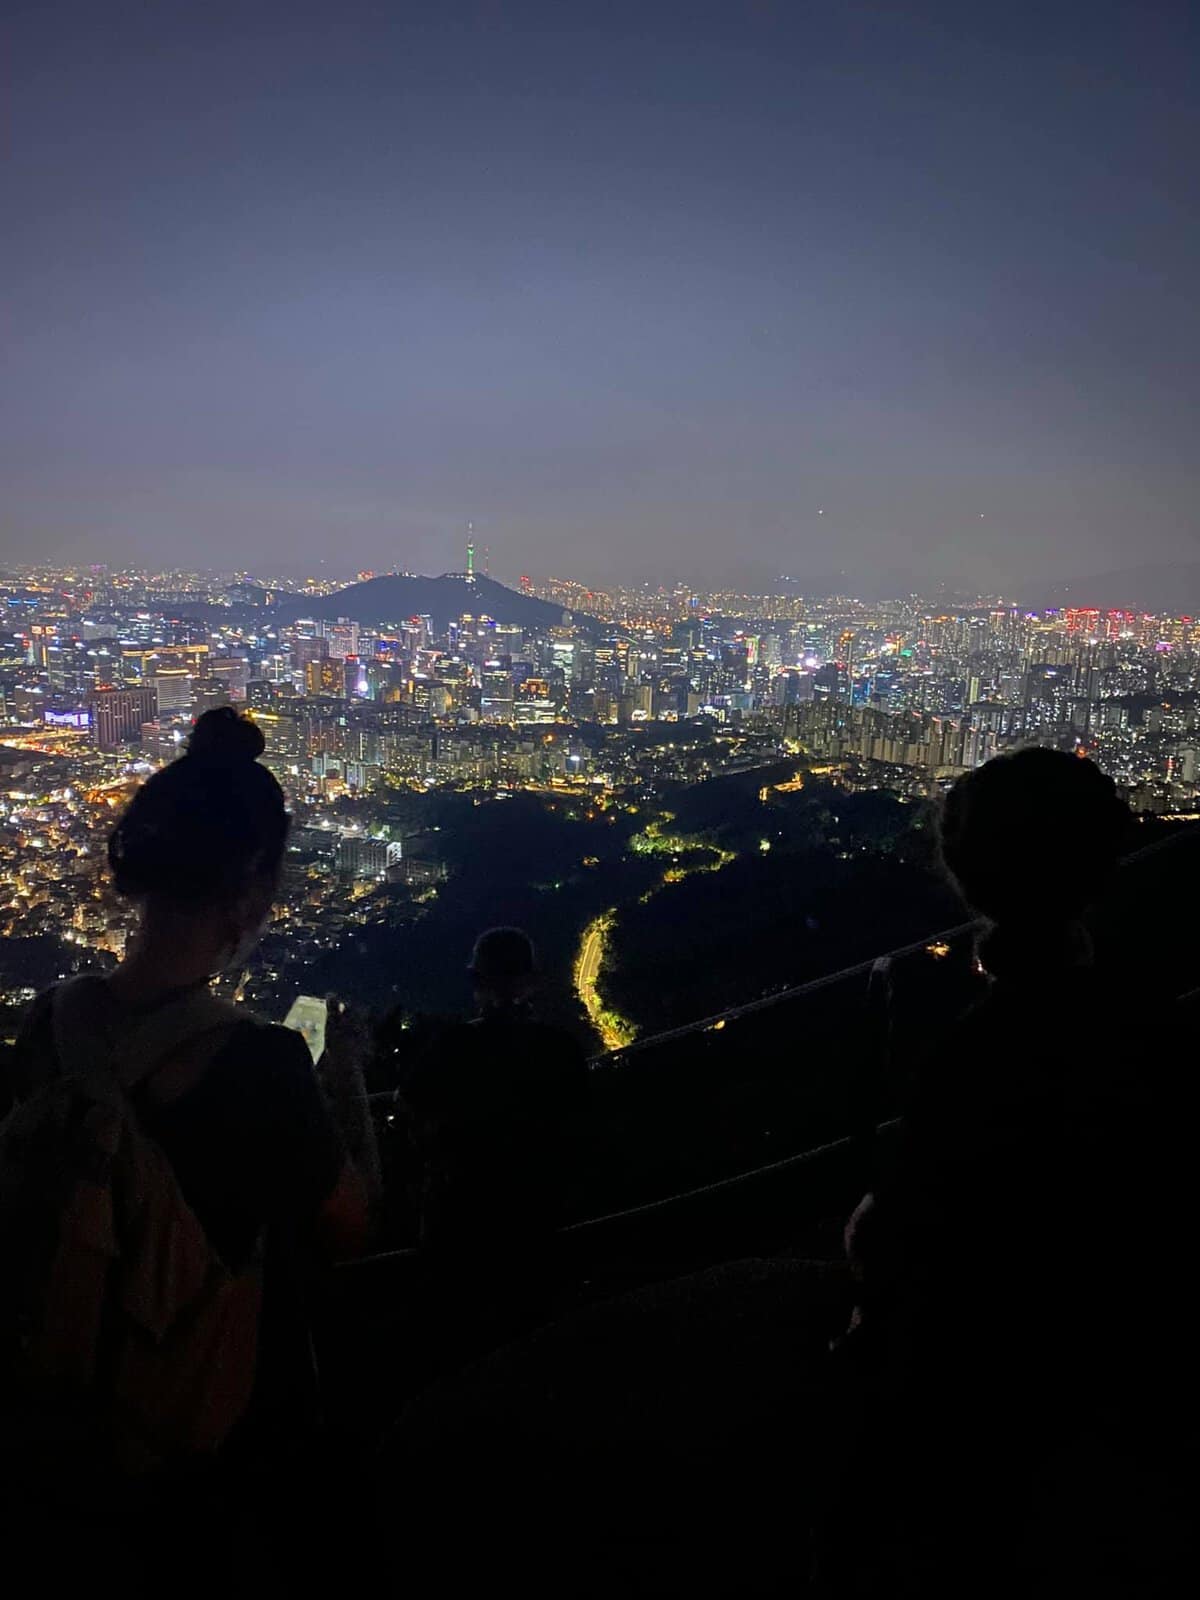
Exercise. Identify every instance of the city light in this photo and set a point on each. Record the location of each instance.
(366, 719)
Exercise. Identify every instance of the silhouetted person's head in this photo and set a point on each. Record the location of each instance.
(200, 844)
(1032, 837)
(503, 967)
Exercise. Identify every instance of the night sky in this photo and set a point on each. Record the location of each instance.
(719, 290)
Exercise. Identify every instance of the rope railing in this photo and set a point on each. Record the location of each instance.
(798, 1159)
(827, 980)
(616, 1058)
(792, 1163)
(783, 996)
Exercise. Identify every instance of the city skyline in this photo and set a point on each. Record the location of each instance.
(732, 290)
(458, 753)
(1150, 590)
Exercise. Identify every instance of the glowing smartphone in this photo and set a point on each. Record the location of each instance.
(307, 1016)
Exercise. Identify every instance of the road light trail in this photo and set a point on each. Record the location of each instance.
(614, 1030)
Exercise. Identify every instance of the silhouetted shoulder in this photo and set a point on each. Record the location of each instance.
(253, 1141)
(32, 1056)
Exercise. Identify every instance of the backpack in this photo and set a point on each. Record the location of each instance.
(126, 1340)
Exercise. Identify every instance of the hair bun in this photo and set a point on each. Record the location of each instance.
(223, 737)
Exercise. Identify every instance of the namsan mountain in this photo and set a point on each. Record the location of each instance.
(395, 598)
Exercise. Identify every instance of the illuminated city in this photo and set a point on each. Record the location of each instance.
(600, 795)
(594, 705)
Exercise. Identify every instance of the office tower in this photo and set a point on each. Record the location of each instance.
(326, 677)
(604, 707)
(161, 743)
(28, 702)
(496, 702)
(282, 733)
(174, 691)
(366, 858)
(342, 638)
(208, 693)
(832, 681)
(305, 651)
(233, 672)
(534, 703)
(118, 715)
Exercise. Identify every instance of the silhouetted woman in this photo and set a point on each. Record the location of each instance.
(236, 1108)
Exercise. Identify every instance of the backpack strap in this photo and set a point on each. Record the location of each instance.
(154, 1039)
(91, 1043)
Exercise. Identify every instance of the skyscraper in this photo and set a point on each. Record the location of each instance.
(207, 693)
(497, 698)
(118, 715)
(306, 650)
(326, 677)
(174, 690)
(342, 637)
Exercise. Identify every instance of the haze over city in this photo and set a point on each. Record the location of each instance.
(729, 290)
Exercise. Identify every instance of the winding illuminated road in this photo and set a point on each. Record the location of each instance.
(590, 957)
(613, 1030)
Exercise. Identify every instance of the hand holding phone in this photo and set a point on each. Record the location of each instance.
(347, 1040)
(309, 1017)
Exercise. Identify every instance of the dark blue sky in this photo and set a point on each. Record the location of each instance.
(639, 288)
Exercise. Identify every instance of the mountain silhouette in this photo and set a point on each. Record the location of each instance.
(395, 598)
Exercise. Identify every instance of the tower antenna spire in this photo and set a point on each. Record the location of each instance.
(470, 552)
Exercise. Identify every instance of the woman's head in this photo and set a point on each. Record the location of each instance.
(206, 834)
(1033, 836)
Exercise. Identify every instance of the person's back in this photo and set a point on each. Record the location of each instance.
(245, 1131)
(999, 1207)
(496, 1107)
(1012, 1100)
(231, 1103)
(986, 1252)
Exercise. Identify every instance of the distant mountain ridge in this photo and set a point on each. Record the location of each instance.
(394, 598)
(1171, 590)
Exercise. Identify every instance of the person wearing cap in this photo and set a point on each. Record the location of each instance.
(494, 1107)
(503, 968)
